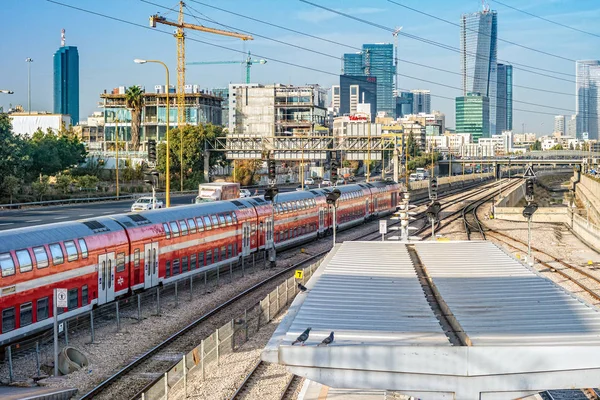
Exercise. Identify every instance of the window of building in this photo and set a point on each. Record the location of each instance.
(192, 225)
(71, 250)
(42, 309)
(136, 258)
(72, 298)
(8, 319)
(83, 248)
(120, 262)
(174, 229)
(24, 259)
(84, 296)
(57, 254)
(41, 257)
(7, 264)
(167, 230)
(184, 227)
(26, 314)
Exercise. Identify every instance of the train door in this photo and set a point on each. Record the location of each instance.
(106, 278)
(151, 265)
(394, 200)
(367, 207)
(245, 239)
(375, 205)
(269, 233)
(321, 220)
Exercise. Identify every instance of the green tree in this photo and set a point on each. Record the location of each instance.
(413, 147)
(55, 152)
(87, 182)
(556, 147)
(63, 182)
(41, 187)
(11, 186)
(194, 138)
(134, 100)
(246, 172)
(537, 145)
(14, 157)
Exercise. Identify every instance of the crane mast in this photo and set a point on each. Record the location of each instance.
(180, 36)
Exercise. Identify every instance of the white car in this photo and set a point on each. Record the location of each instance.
(146, 203)
(245, 193)
(326, 182)
(309, 181)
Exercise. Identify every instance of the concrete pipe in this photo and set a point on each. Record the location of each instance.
(70, 360)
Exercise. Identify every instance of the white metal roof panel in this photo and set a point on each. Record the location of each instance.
(367, 292)
(498, 301)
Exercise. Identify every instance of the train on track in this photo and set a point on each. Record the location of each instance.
(101, 259)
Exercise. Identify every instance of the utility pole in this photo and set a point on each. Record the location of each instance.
(29, 61)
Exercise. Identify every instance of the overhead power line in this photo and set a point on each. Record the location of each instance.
(546, 19)
(271, 59)
(442, 45)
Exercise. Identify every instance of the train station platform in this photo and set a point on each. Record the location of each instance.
(438, 320)
(35, 393)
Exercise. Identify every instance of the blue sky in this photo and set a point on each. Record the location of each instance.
(31, 28)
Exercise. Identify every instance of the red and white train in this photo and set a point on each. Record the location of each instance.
(103, 258)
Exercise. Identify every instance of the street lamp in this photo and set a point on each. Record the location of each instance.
(29, 61)
(6, 91)
(168, 185)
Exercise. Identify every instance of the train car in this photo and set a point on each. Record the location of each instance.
(87, 257)
(296, 218)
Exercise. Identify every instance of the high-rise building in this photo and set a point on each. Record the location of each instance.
(504, 109)
(421, 101)
(353, 64)
(223, 93)
(355, 90)
(66, 81)
(472, 115)
(404, 104)
(588, 106)
(478, 45)
(571, 126)
(376, 60)
(559, 124)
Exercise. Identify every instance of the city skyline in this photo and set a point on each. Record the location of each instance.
(108, 62)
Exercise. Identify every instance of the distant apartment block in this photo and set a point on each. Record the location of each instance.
(355, 90)
(223, 93)
(472, 116)
(587, 103)
(421, 101)
(559, 124)
(404, 104)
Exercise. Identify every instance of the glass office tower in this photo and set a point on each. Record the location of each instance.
(588, 106)
(353, 64)
(478, 45)
(66, 82)
(472, 115)
(504, 106)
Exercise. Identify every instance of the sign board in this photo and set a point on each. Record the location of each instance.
(383, 226)
(529, 173)
(61, 298)
(299, 274)
(61, 327)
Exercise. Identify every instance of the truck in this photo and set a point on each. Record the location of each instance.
(146, 203)
(422, 174)
(216, 191)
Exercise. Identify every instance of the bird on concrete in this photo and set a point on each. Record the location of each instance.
(302, 338)
(327, 340)
(302, 288)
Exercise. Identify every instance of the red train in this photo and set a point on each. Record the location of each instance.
(103, 258)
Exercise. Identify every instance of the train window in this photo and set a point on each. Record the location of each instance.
(136, 258)
(285, 207)
(71, 250)
(229, 251)
(184, 227)
(184, 264)
(26, 312)
(73, 298)
(300, 205)
(41, 257)
(216, 255)
(280, 208)
(207, 222)
(193, 261)
(201, 259)
(209, 257)
(24, 260)
(167, 231)
(42, 309)
(174, 229)
(109, 277)
(221, 220)
(175, 266)
(192, 225)
(8, 320)
(83, 248)
(215, 221)
(200, 224)
(228, 219)
(223, 253)
(120, 262)
(57, 254)
(168, 269)
(235, 251)
(235, 220)
(7, 264)
(84, 296)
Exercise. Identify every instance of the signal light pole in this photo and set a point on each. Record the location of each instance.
(332, 200)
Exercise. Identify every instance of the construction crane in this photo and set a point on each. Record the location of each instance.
(180, 35)
(248, 62)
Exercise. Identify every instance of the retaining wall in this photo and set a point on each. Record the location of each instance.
(588, 191)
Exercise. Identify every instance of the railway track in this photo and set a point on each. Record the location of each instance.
(470, 220)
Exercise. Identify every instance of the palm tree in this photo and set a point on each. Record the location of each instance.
(134, 98)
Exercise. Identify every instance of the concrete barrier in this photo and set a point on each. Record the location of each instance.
(588, 191)
(586, 231)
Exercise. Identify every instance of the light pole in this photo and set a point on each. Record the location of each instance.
(29, 61)
(168, 184)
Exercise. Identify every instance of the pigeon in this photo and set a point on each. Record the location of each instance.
(302, 288)
(327, 340)
(302, 338)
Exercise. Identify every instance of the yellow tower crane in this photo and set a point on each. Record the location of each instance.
(180, 35)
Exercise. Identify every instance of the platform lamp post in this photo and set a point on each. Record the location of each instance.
(168, 173)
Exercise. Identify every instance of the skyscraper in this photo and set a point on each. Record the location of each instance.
(66, 81)
(588, 106)
(421, 101)
(559, 124)
(478, 45)
(355, 90)
(375, 60)
(404, 104)
(472, 116)
(504, 110)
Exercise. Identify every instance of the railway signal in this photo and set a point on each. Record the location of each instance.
(270, 193)
(433, 188)
(272, 172)
(152, 150)
(334, 172)
(432, 213)
(529, 189)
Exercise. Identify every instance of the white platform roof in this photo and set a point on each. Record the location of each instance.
(524, 334)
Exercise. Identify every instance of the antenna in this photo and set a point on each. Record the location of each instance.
(395, 34)
(62, 38)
